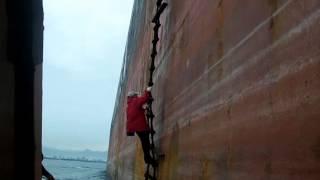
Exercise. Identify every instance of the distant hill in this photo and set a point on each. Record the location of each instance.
(71, 154)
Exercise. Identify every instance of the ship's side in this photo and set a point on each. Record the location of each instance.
(237, 90)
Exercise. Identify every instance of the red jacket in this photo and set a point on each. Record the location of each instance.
(136, 119)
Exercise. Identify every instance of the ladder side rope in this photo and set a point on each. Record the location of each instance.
(150, 115)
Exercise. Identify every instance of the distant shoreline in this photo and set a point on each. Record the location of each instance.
(72, 159)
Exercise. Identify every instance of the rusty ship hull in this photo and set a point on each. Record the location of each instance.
(237, 90)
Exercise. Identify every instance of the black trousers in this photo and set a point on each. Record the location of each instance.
(145, 142)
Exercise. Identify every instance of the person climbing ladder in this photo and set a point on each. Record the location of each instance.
(137, 122)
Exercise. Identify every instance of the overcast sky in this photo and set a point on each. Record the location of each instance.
(84, 42)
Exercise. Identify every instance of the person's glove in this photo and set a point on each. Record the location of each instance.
(149, 88)
(144, 106)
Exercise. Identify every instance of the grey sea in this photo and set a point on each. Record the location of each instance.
(76, 170)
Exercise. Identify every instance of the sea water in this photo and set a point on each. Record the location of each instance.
(76, 170)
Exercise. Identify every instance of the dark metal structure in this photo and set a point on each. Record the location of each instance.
(21, 76)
